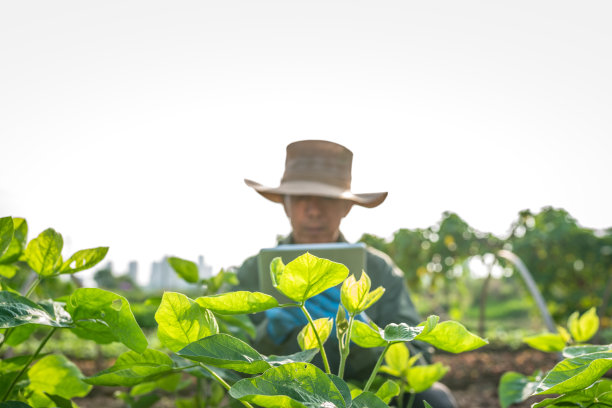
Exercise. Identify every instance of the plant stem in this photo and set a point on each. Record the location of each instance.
(27, 365)
(344, 348)
(314, 329)
(223, 383)
(32, 287)
(376, 367)
(411, 400)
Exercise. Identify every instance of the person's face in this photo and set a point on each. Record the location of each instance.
(315, 219)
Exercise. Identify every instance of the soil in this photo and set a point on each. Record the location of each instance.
(473, 377)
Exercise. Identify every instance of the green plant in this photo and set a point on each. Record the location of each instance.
(576, 380)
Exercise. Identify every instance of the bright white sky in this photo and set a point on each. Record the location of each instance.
(131, 124)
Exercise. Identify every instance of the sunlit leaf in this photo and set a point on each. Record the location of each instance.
(133, 368)
(296, 385)
(576, 351)
(388, 390)
(453, 337)
(306, 337)
(18, 242)
(598, 394)
(366, 336)
(182, 321)
(356, 296)
(44, 253)
(56, 375)
(16, 310)
(6, 234)
(308, 275)
(224, 351)
(422, 377)
(187, 270)
(582, 328)
(84, 259)
(547, 342)
(239, 302)
(576, 373)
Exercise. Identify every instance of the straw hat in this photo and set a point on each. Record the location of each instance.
(318, 168)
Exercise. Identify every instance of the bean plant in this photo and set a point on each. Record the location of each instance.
(204, 338)
(576, 381)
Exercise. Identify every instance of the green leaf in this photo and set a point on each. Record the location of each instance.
(16, 310)
(401, 332)
(56, 375)
(276, 270)
(8, 271)
(185, 269)
(599, 394)
(84, 259)
(305, 356)
(295, 385)
(59, 401)
(356, 296)
(182, 321)
(18, 243)
(368, 400)
(422, 377)
(133, 368)
(104, 317)
(225, 351)
(237, 325)
(306, 337)
(307, 276)
(515, 387)
(397, 359)
(575, 373)
(584, 327)
(6, 234)
(366, 336)
(576, 351)
(547, 342)
(14, 404)
(44, 253)
(388, 390)
(343, 388)
(240, 302)
(453, 337)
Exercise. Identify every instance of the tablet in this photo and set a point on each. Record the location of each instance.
(353, 256)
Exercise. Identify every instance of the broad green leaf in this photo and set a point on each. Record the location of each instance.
(169, 382)
(6, 234)
(182, 321)
(225, 351)
(104, 317)
(343, 388)
(356, 296)
(295, 385)
(401, 332)
(515, 387)
(368, 400)
(582, 328)
(547, 342)
(240, 302)
(388, 390)
(576, 373)
(307, 276)
(14, 404)
(422, 377)
(185, 269)
(84, 259)
(306, 337)
(598, 393)
(396, 359)
(453, 337)
(576, 351)
(366, 336)
(8, 271)
(44, 253)
(429, 324)
(16, 310)
(18, 243)
(305, 356)
(20, 334)
(56, 375)
(133, 368)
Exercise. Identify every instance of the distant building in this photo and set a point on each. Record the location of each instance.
(164, 277)
(132, 272)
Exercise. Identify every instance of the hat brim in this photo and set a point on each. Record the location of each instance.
(276, 194)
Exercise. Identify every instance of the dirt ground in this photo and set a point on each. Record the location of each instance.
(473, 377)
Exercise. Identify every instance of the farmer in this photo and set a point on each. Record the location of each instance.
(315, 192)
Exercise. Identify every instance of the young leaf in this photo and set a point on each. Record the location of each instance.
(16, 310)
(276, 270)
(401, 332)
(44, 253)
(576, 373)
(515, 388)
(17, 244)
(104, 316)
(366, 336)
(6, 234)
(422, 377)
(295, 385)
(56, 375)
(342, 323)
(84, 259)
(388, 390)
(239, 302)
(584, 327)
(368, 400)
(182, 321)
(397, 359)
(306, 337)
(547, 342)
(185, 269)
(307, 276)
(225, 351)
(133, 368)
(453, 337)
(356, 296)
